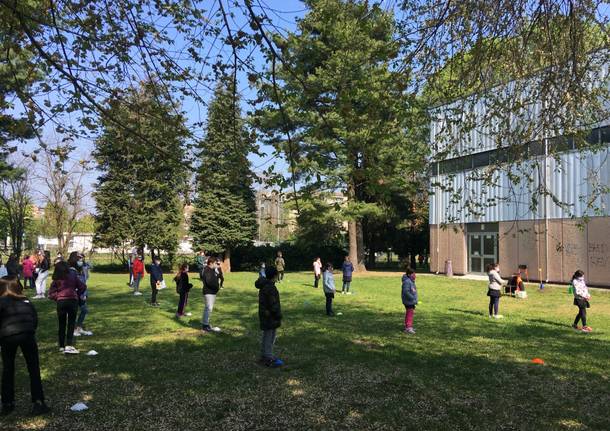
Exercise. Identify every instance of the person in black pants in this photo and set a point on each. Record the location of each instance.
(66, 288)
(156, 277)
(182, 288)
(18, 323)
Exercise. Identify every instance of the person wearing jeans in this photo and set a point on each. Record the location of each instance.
(65, 290)
(270, 316)
(18, 324)
(409, 299)
(210, 289)
(138, 274)
(328, 283)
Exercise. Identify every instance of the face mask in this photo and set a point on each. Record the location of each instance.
(80, 263)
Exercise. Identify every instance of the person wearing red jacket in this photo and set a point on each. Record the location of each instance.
(66, 288)
(138, 274)
(28, 272)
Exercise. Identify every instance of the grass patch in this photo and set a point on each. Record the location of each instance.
(355, 371)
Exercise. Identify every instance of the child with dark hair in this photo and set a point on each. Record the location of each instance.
(348, 269)
(138, 274)
(156, 278)
(328, 284)
(65, 290)
(269, 315)
(581, 300)
(18, 324)
(409, 299)
(494, 290)
(210, 289)
(219, 273)
(182, 288)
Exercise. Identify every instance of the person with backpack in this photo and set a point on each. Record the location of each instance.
(156, 278)
(210, 290)
(18, 324)
(138, 274)
(269, 316)
(183, 286)
(65, 290)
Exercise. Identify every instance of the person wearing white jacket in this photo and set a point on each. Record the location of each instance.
(494, 290)
(581, 300)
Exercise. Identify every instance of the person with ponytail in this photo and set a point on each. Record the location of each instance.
(182, 288)
(581, 300)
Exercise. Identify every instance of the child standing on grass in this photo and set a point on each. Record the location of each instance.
(317, 271)
(494, 289)
(581, 300)
(280, 265)
(328, 283)
(348, 269)
(409, 299)
(138, 274)
(156, 277)
(269, 315)
(182, 288)
(18, 323)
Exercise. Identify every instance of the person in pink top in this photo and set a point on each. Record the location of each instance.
(317, 271)
(28, 271)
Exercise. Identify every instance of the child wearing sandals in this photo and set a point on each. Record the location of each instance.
(581, 300)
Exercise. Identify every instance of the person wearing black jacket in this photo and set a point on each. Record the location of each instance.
(13, 268)
(156, 277)
(18, 323)
(269, 315)
(210, 289)
(182, 288)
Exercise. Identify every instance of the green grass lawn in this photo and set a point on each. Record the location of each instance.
(356, 371)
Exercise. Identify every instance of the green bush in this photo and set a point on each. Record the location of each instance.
(297, 257)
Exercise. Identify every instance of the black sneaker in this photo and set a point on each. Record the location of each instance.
(40, 408)
(206, 329)
(7, 409)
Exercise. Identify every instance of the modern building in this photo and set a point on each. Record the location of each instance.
(555, 220)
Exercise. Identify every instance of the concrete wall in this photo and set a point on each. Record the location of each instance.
(571, 244)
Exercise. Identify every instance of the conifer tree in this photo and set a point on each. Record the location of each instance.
(138, 195)
(225, 208)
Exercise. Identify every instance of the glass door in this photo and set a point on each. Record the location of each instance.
(482, 251)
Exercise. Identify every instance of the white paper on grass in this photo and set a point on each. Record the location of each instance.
(91, 353)
(79, 407)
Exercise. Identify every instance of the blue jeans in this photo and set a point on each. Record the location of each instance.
(84, 310)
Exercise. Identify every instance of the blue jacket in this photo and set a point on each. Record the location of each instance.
(348, 269)
(156, 274)
(409, 291)
(328, 282)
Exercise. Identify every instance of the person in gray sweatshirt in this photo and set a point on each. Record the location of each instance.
(328, 282)
(409, 299)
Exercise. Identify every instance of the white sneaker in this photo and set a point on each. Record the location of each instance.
(77, 332)
(498, 316)
(87, 333)
(137, 293)
(69, 350)
(188, 314)
(348, 293)
(215, 329)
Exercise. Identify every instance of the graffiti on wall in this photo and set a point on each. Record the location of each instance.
(599, 253)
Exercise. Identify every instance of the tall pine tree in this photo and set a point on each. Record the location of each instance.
(138, 195)
(225, 207)
(341, 97)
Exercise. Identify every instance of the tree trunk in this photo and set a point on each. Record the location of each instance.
(355, 235)
(360, 244)
(226, 263)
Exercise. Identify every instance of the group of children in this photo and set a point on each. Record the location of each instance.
(578, 286)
